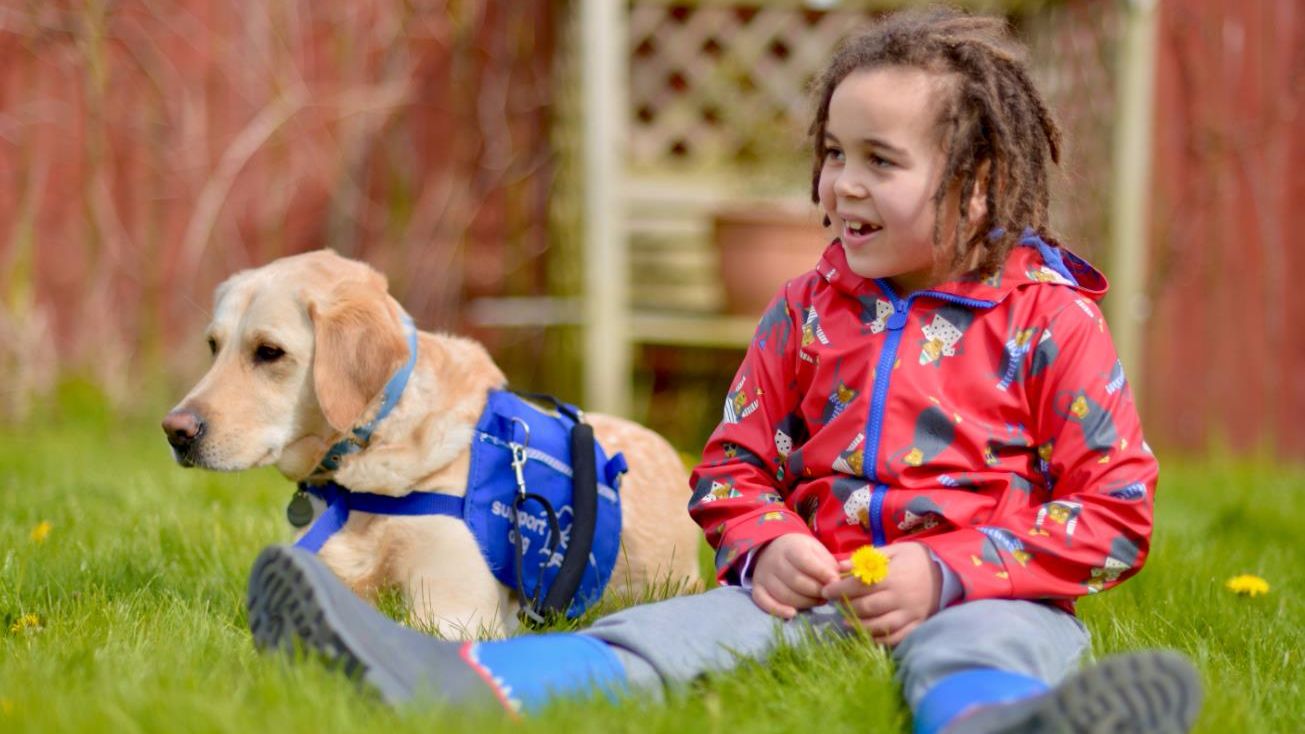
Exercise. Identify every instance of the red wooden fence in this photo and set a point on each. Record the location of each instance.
(149, 149)
(1225, 357)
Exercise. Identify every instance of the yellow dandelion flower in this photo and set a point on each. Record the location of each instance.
(25, 622)
(6, 707)
(41, 531)
(869, 565)
(1247, 585)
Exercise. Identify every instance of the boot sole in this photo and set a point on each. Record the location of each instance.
(291, 610)
(1153, 692)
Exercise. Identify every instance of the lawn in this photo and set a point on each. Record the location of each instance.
(126, 612)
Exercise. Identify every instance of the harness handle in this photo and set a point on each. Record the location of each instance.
(584, 503)
(561, 407)
(584, 506)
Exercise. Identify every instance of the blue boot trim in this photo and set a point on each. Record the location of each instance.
(959, 692)
(527, 672)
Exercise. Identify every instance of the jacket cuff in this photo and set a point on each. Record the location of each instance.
(750, 532)
(978, 563)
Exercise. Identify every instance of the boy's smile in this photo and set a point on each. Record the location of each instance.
(882, 167)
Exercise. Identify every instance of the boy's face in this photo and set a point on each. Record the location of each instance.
(881, 169)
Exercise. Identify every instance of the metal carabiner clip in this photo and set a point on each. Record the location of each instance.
(519, 457)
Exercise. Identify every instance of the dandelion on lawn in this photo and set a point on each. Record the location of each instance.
(869, 565)
(1247, 585)
(41, 531)
(26, 622)
(6, 707)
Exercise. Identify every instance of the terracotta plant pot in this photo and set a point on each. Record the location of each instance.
(762, 245)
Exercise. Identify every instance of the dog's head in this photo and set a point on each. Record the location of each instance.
(300, 348)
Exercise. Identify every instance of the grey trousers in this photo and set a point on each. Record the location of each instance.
(672, 642)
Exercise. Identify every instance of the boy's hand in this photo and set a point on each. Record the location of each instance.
(890, 609)
(791, 570)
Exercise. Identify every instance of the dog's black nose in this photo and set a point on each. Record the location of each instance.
(183, 428)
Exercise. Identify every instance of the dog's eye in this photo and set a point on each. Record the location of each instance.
(268, 353)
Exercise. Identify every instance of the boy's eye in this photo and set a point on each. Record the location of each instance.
(879, 162)
(834, 153)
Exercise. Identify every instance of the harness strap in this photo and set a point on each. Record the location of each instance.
(339, 503)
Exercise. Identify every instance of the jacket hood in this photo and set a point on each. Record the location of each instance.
(1032, 262)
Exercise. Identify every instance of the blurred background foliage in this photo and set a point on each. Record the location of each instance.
(149, 149)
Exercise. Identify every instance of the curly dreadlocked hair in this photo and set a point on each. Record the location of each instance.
(994, 118)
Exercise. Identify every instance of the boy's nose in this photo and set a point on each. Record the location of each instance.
(847, 185)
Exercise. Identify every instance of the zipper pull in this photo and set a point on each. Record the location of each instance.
(898, 319)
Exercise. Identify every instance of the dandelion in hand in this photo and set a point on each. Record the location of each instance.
(26, 622)
(41, 531)
(869, 565)
(1247, 585)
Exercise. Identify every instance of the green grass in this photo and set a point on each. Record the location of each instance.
(139, 592)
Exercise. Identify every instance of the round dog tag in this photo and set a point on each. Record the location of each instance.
(300, 510)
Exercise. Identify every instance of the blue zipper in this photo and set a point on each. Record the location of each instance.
(883, 373)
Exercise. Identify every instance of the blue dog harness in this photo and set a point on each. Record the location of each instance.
(521, 504)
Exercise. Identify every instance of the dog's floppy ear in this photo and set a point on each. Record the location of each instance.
(360, 343)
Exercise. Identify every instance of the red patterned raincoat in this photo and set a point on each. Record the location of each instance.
(987, 419)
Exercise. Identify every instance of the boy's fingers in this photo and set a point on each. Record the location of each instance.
(883, 627)
(817, 563)
(788, 591)
(806, 586)
(769, 605)
(900, 634)
(845, 588)
(872, 604)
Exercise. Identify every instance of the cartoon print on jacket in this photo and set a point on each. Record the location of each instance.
(1117, 380)
(841, 397)
(1061, 512)
(811, 331)
(958, 482)
(1022, 341)
(1098, 429)
(807, 508)
(711, 490)
(1131, 492)
(850, 460)
(921, 513)
(1063, 440)
(855, 496)
(1123, 554)
(1012, 356)
(997, 542)
(944, 332)
(874, 314)
(737, 405)
(790, 434)
(934, 432)
(775, 327)
(1021, 485)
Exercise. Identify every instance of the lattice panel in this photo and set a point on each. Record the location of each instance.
(725, 86)
(724, 89)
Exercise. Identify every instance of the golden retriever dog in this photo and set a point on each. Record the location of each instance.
(302, 349)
